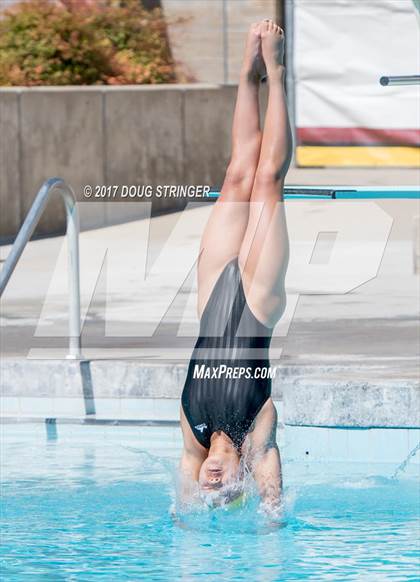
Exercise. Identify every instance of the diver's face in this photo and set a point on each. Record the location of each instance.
(218, 472)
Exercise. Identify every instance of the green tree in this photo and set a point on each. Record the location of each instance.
(80, 42)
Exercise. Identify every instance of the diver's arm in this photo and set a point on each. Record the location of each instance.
(265, 456)
(190, 464)
(189, 469)
(192, 458)
(187, 482)
(267, 474)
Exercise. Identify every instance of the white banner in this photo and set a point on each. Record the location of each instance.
(341, 49)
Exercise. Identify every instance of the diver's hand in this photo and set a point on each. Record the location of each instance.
(273, 513)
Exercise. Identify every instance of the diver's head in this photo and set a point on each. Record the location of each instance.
(220, 478)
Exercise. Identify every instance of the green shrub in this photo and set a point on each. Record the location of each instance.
(80, 42)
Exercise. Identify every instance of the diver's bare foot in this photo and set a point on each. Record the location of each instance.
(272, 46)
(253, 67)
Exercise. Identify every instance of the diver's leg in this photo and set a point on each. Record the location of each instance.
(264, 253)
(226, 227)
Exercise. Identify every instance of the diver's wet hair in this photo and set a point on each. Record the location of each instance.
(224, 497)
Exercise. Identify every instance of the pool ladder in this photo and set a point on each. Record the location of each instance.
(72, 218)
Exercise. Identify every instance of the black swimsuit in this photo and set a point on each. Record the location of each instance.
(220, 391)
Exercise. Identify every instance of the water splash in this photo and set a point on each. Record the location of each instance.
(248, 518)
(402, 467)
(247, 513)
(369, 482)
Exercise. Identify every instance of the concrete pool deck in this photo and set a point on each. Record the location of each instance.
(347, 359)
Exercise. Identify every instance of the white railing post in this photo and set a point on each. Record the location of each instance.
(24, 235)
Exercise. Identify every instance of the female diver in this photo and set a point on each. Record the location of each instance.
(228, 418)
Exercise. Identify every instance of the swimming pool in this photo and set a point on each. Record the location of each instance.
(94, 503)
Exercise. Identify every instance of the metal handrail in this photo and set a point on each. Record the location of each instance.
(400, 80)
(24, 235)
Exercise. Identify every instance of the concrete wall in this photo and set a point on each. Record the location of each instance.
(167, 134)
(118, 389)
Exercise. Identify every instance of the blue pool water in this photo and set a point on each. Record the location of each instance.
(94, 503)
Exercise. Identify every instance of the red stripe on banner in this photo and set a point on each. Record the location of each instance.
(361, 136)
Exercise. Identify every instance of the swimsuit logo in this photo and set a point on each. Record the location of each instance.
(201, 427)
